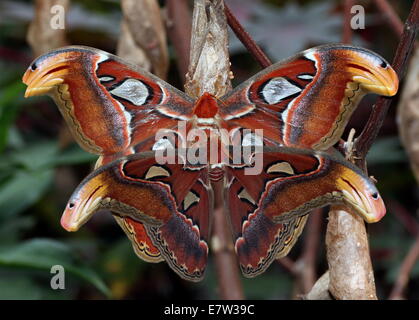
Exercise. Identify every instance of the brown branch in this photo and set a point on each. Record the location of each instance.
(229, 284)
(246, 39)
(179, 31)
(209, 72)
(347, 29)
(404, 272)
(404, 50)
(287, 264)
(320, 290)
(129, 50)
(348, 256)
(308, 273)
(392, 18)
(143, 36)
(304, 269)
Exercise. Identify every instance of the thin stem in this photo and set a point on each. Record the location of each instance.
(179, 31)
(229, 284)
(311, 246)
(404, 272)
(393, 19)
(246, 39)
(287, 264)
(405, 218)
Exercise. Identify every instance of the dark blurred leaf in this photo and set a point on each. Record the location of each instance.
(386, 150)
(11, 229)
(36, 156)
(9, 108)
(42, 254)
(122, 266)
(19, 289)
(10, 73)
(20, 285)
(415, 270)
(15, 139)
(73, 155)
(397, 245)
(273, 284)
(269, 285)
(46, 154)
(22, 190)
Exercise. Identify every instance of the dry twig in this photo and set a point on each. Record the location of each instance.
(320, 290)
(179, 31)
(348, 256)
(246, 39)
(404, 272)
(308, 272)
(287, 264)
(128, 49)
(143, 37)
(405, 217)
(391, 16)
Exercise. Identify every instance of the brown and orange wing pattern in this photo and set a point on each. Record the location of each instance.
(307, 100)
(268, 211)
(115, 109)
(135, 230)
(302, 102)
(109, 104)
(263, 241)
(141, 242)
(175, 217)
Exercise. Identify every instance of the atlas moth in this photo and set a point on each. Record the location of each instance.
(114, 109)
